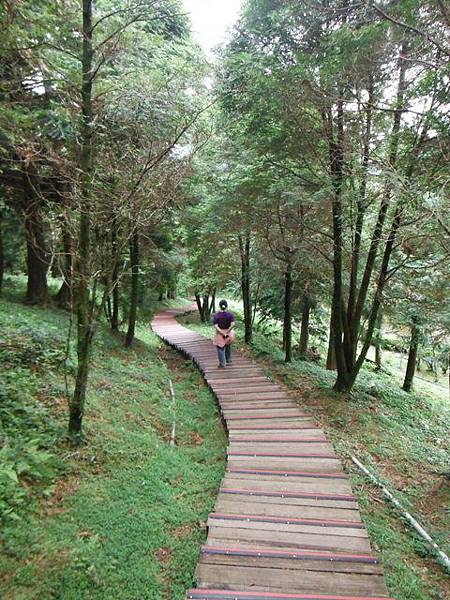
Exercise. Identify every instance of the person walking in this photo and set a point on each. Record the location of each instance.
(223, 322)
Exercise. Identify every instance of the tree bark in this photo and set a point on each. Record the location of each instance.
(304, 332)
(212, 304)
(2, 252)
(412, 357)
(244, 248)
(378, 338)
(115, 280)
(37, 255)
(198, 300)
(115, 307)
(84, 315)
(336, 152)
(287, 324)
(205, 308)
(331, 359)
(63, 297)
(134, 260)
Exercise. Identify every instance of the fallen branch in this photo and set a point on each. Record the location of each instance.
(442, 557)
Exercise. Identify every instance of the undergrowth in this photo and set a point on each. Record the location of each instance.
(124, 515)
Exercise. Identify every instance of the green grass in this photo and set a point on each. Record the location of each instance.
(402, 437)
(124, 515)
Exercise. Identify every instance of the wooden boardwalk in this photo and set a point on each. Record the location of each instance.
(285, 524)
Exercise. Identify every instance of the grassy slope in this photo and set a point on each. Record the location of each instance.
(123, 516)
(402, 437)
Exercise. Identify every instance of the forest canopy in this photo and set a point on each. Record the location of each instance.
(305, 173)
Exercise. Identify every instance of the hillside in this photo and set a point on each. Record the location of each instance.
(124, 514)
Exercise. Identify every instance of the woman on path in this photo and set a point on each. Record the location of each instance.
(223, 322)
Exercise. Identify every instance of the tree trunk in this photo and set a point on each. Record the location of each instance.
(115, 307)
(331, 358)
(134, 259)
(287, 324)
(244, 248)
(63, 296)
(84, 314)
(378, 354)
(346, 325)
(107, 307)
(206, 310)
(212, 304)
(115, 280)
(37, 254)
(378, 338)
(2, 252)
(304, 332)
(412, 357)
(198, 300)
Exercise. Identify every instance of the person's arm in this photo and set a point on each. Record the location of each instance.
(232, 324)
(217, 328)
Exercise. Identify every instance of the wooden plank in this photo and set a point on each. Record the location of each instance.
(270, 579)
(254, 537)
(266, 493)
(233, 379)
(257, 413)
(267, 437)
(254, 395)
(310, 485)
(258, 405)
(326, 465)
(243, 401)
(305, 446)
(214, 594)
(294, 560)
(334, 523)
(258, 402)
(251, 389)
(288, 510)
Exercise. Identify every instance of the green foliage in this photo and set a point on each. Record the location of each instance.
(125, 512)
(29, 431)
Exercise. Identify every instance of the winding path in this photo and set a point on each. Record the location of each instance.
(285, 524)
